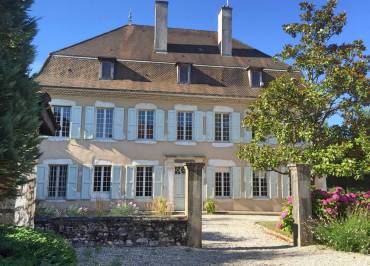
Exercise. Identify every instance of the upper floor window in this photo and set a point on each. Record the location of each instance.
(144, 181)
(259, 184)
(62, 116)
(222, 183)
(256, 78)
(184, 126)
(222, 127)
(102, 178)
(184, 73)
(104, 123)
(106, 69)
(57, 181)
(145, 125)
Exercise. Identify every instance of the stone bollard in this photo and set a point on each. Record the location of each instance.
(302, 204)
(193, 203)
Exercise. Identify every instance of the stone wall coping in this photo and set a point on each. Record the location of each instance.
(111, 218)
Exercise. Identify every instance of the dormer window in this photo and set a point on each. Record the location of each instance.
(255, 78)
(184, 73)
(106, 69)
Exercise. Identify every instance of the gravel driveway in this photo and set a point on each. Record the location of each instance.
(227, 240)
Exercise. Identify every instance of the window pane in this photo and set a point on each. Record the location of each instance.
(100, 123)
(256, 82)
(218, 184)
(141, 125)
(149, 124)
(106, 70)
(180, 125)
(184, 74)
(108, 123)
(52, 181)
(218, 127)
(58, 116)
(97, 178)
(66, 121)
(256, 185)
(106, 178)
(226, 184)
(263, 186)
(139, 181)
(62, 182)
(189, 126)
(226, 127)
(148, 181)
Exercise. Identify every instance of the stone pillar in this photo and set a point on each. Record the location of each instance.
(302, 204)
(193, 203)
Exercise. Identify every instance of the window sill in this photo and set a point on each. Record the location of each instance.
(55, 200)
(186, 143)
(58, 138)
(261, 198)
(143, 199)
(145, 141)
(222, 144)
(103, 140)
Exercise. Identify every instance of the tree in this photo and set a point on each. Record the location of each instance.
(325, 81)
(19, 108)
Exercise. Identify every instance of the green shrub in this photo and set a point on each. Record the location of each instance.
(123, 209)
(29, 247)
(210, 206)
(160, 206)
(76, 211)
(350, 233)
(47, 211)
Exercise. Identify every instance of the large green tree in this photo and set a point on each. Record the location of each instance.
(327, 82)
(19, 108)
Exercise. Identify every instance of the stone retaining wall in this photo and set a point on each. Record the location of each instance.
(123, 231)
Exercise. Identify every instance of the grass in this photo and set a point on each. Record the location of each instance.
(272, 226)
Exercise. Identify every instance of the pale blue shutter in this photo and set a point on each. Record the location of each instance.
(72, 182)
(273, 176)
(118, 122)
(285, 186)
(210, 172)
(159, 125)
(89, 122)
(248, 181)
(41, 187)
(198, 121)
(158, 181)
(210, 122)
(235, 127)
(172, 127)
(132, 135)
(247, 135)
(76, 122)
(130, 180)
(236, 185)
(86, 182)
(116, 182)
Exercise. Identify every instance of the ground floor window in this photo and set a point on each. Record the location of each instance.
(102, 178)
(144, 181)
(259, 184)
(57, 181)
(222, 183)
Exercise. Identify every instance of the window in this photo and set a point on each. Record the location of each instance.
(63, 118)
(144, 181)
(256, 78)
(184, 73)
(104, 123)
(57, 181)
(107, 70)
(222, 183)
(184, 126)
(259, 184)
(102, 175)
(222, 127)
(145, 125)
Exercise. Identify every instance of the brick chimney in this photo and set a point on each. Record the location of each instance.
(225, 37)
(161, 26)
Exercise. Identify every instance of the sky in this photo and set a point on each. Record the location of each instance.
(258, 23)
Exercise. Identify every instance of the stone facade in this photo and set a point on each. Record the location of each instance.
(122, 231)
(21, 210)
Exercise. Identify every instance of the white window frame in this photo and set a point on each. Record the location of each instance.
(145, 124)
(184, 127)
(104, 137)
(260, 175)
(223, 171)
(57, 179)
(222, 127)
(179, 67)
(101, 191)
(61, 119)
(144, 182)
(102, 62)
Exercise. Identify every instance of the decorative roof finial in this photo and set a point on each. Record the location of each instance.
(227, 3)
(130, 18)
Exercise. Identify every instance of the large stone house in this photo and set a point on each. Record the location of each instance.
(137, 102)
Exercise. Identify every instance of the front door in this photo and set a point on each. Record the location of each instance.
(179, 188)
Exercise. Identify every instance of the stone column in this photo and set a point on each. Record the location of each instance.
(302, 204)
(193, 203)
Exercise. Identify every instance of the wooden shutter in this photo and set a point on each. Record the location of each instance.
(248, 181)
(132, 124)
(198, 122)
(41, 185)
(76, 122)
(130, 180)
(116, 182)
(159, 125)
(235, 127)
(236, 179)
(89, 122)
(285, 186)
(87, 172)
(72, 182)
(273, 183)
(210, 122)
(172, 126)
(210, 182)
(118, 123)
(247, 135)
(158, 181)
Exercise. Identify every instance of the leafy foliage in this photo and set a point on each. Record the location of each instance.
(19, 108)
(210, 206)
(28, 247)
(124, 209)
(161, 206)
(326, 80)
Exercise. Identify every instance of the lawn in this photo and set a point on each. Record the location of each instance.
(271, 225)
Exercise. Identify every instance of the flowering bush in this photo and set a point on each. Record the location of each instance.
(123, 209)
(47, 211)
(286, 223)
(76, 211)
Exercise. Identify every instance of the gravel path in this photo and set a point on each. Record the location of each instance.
(227, 240)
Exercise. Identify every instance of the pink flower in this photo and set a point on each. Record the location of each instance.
(279, 226)
(343, 199)
(336, 197)
(323, 193)
(367, 195)
(338, 190)
(324, 202)
(290, 200)
(284, 214)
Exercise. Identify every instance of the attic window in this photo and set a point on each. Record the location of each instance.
(184, 73)
(255, 78)
(106, 69)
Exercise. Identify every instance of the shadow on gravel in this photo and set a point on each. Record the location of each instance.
(249, 248)
(215, 236)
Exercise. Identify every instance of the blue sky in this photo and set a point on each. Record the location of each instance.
(257, 23)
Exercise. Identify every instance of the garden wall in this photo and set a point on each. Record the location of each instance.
(124, 231)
